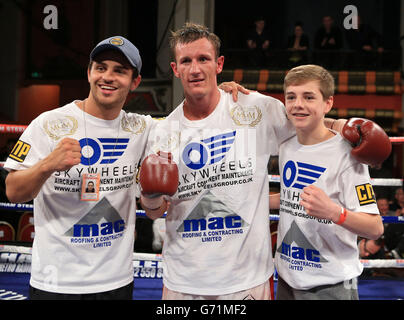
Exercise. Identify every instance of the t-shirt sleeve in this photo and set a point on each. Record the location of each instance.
(32, 146)
(282, 127)
(151, 124)
(358, 191)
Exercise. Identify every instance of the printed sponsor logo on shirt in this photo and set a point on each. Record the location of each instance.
(100, 227)
(20, 151)
(365, 194)
(297, 251)
(207, 151)
(299, 174)
(102, 150)
(211, 221)
(246, 115)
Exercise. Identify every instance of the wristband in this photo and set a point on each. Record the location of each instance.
(151, 203)
(146, 208)
(342, 216)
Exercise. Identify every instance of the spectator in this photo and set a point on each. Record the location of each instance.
(371, 249)
(298, 44)
(383, 205)
(398, 202)
(364, 38)
(328, 36)
(258, 43)
(394, 233)
(391, 244)
(375, 249)
(366, 43)
(327, 42)
(394, 240)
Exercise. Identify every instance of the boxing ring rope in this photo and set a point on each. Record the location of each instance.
(138, 256)
(14, 128)
(376, 263)
(149, 265)
(141, 213)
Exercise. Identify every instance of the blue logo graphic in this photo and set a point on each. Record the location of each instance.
(213, 223)
(106, 149)
(300, 175)
(211, 150)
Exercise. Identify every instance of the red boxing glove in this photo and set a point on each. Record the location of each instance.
(158, 176)
(370, 143)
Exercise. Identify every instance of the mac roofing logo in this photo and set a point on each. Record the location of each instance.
(211, 213)
(299, 175)
(103, 219)
(106, 149)
(211, 150)
(303, 249)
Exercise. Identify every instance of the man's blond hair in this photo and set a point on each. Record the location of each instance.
(311, 72)
(191, 32)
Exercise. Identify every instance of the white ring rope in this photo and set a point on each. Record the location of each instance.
(141, 213)
(137, 256)
(16, 128)
(374, 263)
(387, 182)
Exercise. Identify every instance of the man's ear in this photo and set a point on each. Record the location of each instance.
(220, 63)
(135, 83)
(329, 104)
(174, 67)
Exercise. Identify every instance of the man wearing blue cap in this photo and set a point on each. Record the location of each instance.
(83, 243)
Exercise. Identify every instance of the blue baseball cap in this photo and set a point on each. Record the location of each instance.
(124, 46)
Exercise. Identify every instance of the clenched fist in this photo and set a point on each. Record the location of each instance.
(317, 204)
(66, 155)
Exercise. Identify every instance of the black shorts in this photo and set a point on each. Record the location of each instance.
(123, 293)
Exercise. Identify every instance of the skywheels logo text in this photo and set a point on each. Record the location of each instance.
(208, 151)
(299, 174)
(108, 150)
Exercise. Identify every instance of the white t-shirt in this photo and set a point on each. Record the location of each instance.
(217, 228)
(159, 232)
(310, 251)
(84, 246)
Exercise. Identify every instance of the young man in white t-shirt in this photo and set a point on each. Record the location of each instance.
(83, 244)
(326, 198)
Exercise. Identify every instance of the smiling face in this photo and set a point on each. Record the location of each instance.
(306, 106)
(197, 67)
(110, 78)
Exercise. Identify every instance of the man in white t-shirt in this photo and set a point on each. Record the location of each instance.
(83, 242)
(217, 243)
(326, 197)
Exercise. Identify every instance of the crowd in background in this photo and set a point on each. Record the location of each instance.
(332, 48)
